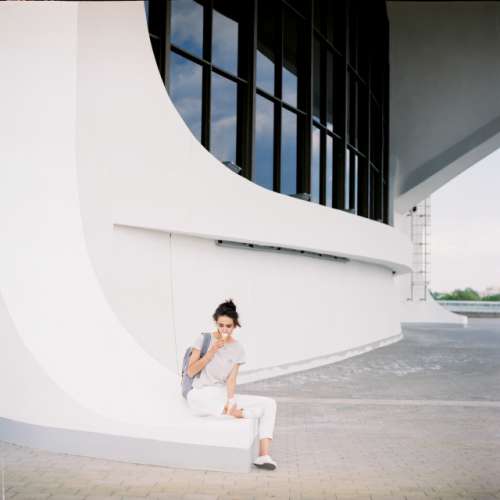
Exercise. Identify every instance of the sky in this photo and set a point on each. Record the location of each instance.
(465, 232)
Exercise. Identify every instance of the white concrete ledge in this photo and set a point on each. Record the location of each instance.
(128, 448)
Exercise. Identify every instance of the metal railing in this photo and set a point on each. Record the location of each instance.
(472, 306)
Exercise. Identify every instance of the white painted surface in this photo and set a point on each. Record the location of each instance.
(100, 314)
(293, 308)
(429, 311)
(67, 340)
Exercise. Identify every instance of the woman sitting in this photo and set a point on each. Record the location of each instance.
(213, 391)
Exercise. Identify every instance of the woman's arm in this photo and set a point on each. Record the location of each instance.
(231, 382)
(230, 407)
(196, 364)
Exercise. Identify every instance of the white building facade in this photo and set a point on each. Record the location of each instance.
(122, 229)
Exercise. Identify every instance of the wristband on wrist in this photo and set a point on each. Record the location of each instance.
(231, 402)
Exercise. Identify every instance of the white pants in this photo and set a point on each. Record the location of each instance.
(210, 400)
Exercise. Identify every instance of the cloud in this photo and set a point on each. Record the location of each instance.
(265, 73)
(187, 25)
(225, 43)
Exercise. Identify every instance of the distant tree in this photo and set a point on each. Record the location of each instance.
(492, 298)
(465, 294)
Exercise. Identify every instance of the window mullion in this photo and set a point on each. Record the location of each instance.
(207, 75)
(304, 180)
(247, 41)
(322, 168)
(278, 113)
(340, 173)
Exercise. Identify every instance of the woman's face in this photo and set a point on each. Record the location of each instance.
(225, 325)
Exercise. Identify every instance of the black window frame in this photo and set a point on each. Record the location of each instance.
(356, 35)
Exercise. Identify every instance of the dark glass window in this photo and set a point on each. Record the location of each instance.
(225, 37)
(319, 15)
(328, 95)
(299, 5)
(351, 182)
(265, 73)
(264, 142)
(376, 126)
(288, 183)
(347, 179)
(352, 119)
(290, 79)
(329, 172)
(239, 73)
(186, 91)
(223, 118)
(315, 165)
(329, 20)
(317, 88)
(329, 90)
(353, 41)
(376, 192)
(266, 47)
(187, 26)
(335, 22)
(362, 118)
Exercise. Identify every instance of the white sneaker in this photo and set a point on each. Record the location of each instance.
(265, 462)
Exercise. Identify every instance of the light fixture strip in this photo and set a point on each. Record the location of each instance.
(269, 248)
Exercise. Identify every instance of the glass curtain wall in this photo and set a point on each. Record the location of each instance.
(293, 91)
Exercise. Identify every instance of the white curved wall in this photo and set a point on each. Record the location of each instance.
(61, 341)
(105, 310)
(152, 173)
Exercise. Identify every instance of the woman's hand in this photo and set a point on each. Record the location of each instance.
(196, 364)
(230, 408)
(215, 347)
(233, 411)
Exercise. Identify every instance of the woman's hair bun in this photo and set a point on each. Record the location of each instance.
(227, 308)
(230, 304)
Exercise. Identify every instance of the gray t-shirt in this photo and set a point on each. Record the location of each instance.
(219, 367)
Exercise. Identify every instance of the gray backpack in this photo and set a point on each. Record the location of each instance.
(187, 381)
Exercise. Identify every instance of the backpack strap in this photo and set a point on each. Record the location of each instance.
(204, 347)
(206, 343)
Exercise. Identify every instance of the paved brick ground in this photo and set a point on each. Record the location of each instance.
(419, 419)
